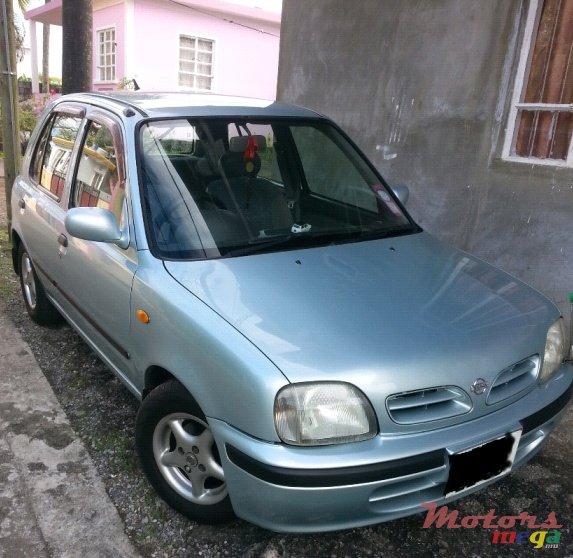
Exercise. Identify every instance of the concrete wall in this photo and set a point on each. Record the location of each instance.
(424, 87)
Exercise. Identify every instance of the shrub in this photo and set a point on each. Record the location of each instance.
(28, 112)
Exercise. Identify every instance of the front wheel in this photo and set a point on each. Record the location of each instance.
(40, 309)
(179, 455)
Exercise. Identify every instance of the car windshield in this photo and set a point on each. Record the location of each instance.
(226, 187)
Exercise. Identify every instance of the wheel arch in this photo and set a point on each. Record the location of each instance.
(154, 377)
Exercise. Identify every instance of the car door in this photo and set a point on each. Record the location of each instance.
(40, 191)
(97, 277)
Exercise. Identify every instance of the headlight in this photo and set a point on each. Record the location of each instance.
(316, 414)
(554, 350)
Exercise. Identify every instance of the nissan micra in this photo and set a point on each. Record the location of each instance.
(306, 356)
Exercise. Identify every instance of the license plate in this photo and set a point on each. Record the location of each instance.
(479, 464)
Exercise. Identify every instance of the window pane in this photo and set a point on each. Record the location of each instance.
(57, 153)
(186, 80)
(203, 82)
(186, 66)
(36, 164)
(231, 196)
(267, 154)
(97, 181)
(545, 134)
(339, 179)
(185, 54)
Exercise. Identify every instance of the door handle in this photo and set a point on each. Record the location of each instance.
(21, 203)
(63, 240)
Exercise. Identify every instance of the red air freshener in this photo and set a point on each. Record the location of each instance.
(251, 148)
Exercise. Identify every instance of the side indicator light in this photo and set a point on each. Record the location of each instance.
(142, 316)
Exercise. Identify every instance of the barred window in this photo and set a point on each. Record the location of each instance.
(541, 122)
(196, 63)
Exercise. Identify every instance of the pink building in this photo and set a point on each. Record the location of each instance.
(178, 45)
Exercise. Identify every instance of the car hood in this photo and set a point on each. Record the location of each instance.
(389, 315)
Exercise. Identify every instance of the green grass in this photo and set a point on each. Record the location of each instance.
(8, 279)
(120, 444)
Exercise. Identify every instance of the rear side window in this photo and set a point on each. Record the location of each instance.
(51, 160)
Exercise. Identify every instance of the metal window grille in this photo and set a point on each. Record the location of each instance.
(541, 123)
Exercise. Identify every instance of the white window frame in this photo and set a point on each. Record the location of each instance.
(529, 36)
(211, 76)
(101, 65)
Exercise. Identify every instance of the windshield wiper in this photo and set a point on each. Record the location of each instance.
(268, 243)
(317, 238)
(378, 230)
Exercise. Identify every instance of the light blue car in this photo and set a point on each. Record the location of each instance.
(306, 356)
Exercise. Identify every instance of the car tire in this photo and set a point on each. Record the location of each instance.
(39, 307)
(179, 456)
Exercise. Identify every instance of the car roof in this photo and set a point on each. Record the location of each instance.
(161, 105)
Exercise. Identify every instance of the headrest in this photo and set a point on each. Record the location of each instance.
(233, 164)
(239, 143)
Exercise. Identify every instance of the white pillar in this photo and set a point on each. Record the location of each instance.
(129, 40)
(34, 53)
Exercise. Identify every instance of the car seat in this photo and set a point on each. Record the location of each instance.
(260, 201)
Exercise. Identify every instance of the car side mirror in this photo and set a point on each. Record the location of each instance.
(97, 224)
(402, 192)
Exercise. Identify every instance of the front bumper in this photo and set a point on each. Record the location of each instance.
(293, 489)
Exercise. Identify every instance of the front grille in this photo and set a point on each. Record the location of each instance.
(513, 380)
(426, 405)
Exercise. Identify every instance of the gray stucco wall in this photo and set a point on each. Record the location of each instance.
(424, 87)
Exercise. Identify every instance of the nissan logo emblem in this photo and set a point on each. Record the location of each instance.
(479, 386)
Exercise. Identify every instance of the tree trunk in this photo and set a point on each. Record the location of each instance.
(77, 45)
(8, 101)
(46, 56)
